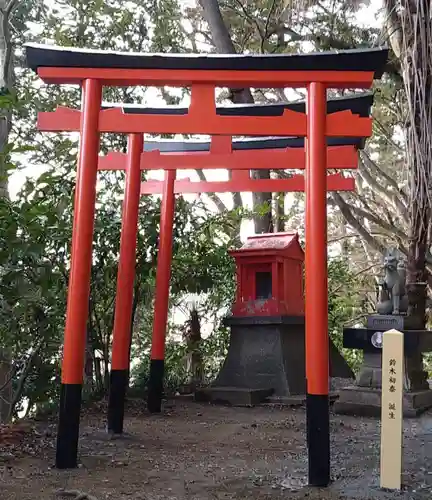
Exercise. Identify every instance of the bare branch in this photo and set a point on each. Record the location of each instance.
(11, 6)
(375, 219)
(374, 167)
(343, 285)
(390, 196)
(23, 377)
(251, 20)
(356, 224)
(266, 34)
(220, 205)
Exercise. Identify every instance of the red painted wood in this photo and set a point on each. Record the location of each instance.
(163, 272)
(338, 157)
(291, 123)
(75, 335)
(317, 343)
(335, 182)
(224, 78)
(282, 256)
(127, 258)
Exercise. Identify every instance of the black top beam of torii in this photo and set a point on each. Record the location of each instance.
(362, 59)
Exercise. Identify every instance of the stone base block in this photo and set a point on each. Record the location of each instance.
(297, 400)
(266, 357)
(269, 352)
(366, 402)
(234, 396)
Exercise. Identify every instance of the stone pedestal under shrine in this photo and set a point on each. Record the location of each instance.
(364, 397)
(266, 355)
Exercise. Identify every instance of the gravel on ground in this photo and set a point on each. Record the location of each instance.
(199, 452)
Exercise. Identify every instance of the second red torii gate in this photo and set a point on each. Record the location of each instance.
(220, 155)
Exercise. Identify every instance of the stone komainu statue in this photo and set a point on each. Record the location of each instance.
(393, 298)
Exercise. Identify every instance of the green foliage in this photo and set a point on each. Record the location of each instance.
(34, 231)
(35, 237)
(175, 371)
(345, 304)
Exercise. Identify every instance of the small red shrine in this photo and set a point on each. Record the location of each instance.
(269, 270)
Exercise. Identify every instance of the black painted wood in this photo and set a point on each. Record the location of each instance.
(119, 380)
(359, 104)
(318, 439)
(369, 59)
(68, 426)
(155, 386)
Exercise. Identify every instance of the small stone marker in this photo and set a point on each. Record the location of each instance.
(391, 409)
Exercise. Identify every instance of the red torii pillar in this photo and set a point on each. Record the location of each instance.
(316, 290)
(79, 282)
(163, 276)
(119, 376)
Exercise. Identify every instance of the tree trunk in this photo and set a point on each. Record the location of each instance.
(410, 29)
(99, 380)
(224, 45)
(7, 81)
(195, 361)
(418, 81)
(279, 212)
(6, 86)
(6, 385)
(89, 366)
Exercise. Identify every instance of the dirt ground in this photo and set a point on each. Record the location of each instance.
(198, 451)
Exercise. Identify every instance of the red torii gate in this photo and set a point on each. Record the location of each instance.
(316, 72)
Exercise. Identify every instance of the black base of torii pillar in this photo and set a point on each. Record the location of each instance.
(266, 362)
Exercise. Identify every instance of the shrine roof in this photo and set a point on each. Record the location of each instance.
(271, 243)
(359, 104)
(172, 146)
(364, 60)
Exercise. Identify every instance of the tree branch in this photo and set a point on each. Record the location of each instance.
(23, 377)
(397, 190)
(356, 224)
(390, 196)
(251, 20)
(264, 38)
(375, 219)
(10, 7)
(8, 379)
(220, 205)
(343, 285)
